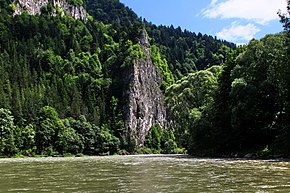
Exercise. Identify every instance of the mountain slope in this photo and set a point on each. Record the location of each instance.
(184, 51)
(81, 86)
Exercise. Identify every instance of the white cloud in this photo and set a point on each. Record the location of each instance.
(259, 11)
(213, 2)
(238, 32)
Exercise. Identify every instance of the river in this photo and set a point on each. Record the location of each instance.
(142, 174)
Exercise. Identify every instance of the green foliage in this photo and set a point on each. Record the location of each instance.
(53, 68)
(27, 140)
(7, 128)
(12, 8)
(187, 52)
(159, 140)
(169, 146)
(47, 128)
(48, 9)
(161, 64)
(153, 139)
(285, 18)
(250, 107)
(106, 142)
(265, 152)
(76, 2)
(134, 53)
(187, 99)
(183, 51)
(62, 80)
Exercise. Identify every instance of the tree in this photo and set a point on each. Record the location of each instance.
(69, 141)
(54, 67)
(106, 142)
(153, 139)
(284, 18)
(86, 132)
(48, 126)
(187, 98)
(249, 109)
(27, 140)
(7, 128)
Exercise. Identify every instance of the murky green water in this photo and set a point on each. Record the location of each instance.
(142, 174)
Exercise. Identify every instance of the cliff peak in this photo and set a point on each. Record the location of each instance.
(34, 7)
(145, 107)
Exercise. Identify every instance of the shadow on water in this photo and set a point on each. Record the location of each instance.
(186, 156)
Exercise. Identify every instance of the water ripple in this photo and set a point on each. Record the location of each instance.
(142, 174)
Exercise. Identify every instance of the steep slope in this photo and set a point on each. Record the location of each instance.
(71, 84)
(54, 85)
(145, 106)
(184, 51)
(34, 7)
(74, 86)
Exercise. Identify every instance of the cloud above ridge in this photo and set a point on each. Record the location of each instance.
(245, 17)
(237, 32)
(258, 11)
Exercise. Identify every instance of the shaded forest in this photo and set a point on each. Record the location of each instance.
(241, 107)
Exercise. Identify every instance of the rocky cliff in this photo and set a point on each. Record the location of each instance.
(145, 106)
(33, 7)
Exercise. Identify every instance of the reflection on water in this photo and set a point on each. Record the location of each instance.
(143, 174)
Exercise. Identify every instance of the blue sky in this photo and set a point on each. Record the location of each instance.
(237, 21)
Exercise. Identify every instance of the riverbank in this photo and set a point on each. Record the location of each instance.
(237, 157)
(249, 156)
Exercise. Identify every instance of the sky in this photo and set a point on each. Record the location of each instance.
(236, 21)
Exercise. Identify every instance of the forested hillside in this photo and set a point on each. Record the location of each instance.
(184, 51)
(242, 110)
(250, 109)
(64, 85)
(55, 85)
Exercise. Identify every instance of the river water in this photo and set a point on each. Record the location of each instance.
(140, 174)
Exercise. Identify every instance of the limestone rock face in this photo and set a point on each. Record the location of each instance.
(33, 7)
(145, 106)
